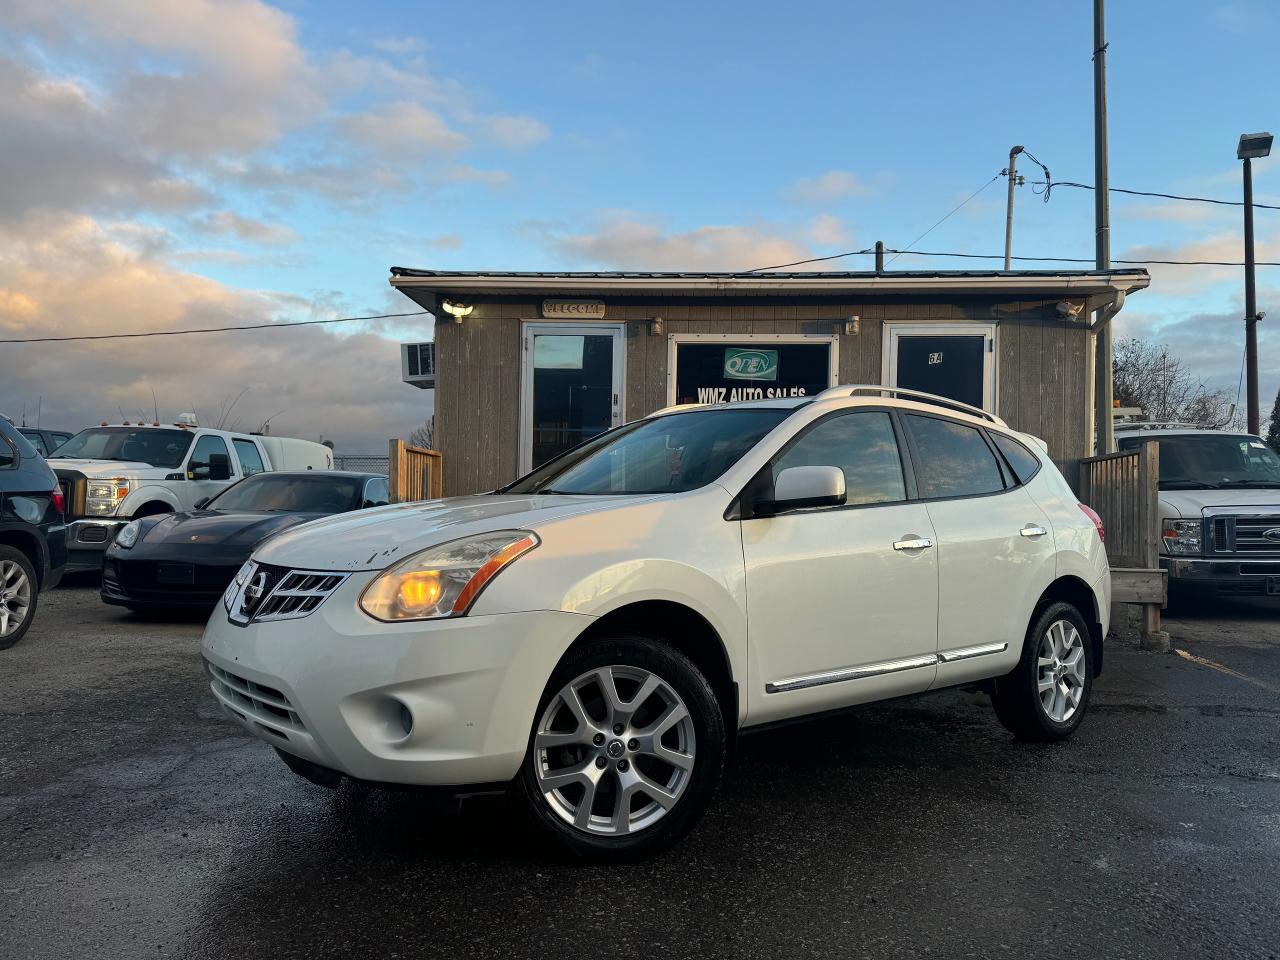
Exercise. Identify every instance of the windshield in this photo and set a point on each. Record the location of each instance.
(159, 448)
(669, 454)
(291, 493)
(1214, 460)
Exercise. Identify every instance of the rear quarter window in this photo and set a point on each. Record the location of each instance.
(1025, 464)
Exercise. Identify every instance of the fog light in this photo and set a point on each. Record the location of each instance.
(406, 719)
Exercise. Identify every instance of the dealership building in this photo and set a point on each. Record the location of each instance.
(527, 365)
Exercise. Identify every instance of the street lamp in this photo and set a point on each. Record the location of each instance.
(1252, 146)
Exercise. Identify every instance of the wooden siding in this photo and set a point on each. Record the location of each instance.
(1041, 384)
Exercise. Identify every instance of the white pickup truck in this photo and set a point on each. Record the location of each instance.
(114, 472)
(1219, 509)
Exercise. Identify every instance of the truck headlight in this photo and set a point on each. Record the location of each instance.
(443, 581)
(128, 534)
(1182, 537)
(102, 497)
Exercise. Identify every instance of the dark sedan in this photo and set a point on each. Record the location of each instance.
(187, 559)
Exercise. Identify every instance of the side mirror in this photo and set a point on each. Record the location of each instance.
(797, 488)
(219, 467)
(202, 503)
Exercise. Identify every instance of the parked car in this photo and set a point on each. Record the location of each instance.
(598, 631)
(1219, 509)
(45, 441)
(33, 541)
(113, 474)
(188, 558)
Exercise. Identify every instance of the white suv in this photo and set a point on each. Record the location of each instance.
(597, 631)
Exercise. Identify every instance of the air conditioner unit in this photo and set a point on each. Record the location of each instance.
(418, 364)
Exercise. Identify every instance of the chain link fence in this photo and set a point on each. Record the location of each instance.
(371, 463)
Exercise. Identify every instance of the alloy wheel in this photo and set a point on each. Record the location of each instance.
(15, 597)
(614, 750)
(1060, 671)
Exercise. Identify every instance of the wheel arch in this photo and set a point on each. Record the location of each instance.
(151, 507)
(29, 545)
(1071, 589)
(681, 627)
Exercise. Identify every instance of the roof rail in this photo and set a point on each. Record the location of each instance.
(866, 389)
(1162, 425)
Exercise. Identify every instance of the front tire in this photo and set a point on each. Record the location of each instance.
(1045, 696)
(626, 751)
(18, 595)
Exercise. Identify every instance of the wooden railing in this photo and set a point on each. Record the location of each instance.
(1123, 489)
(415, 474)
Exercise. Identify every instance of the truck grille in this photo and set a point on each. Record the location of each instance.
(1249, 534)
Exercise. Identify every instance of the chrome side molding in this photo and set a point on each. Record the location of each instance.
(886, 667)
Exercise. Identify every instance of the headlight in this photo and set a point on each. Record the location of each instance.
(102, 497)
(443, 581)
(128, 534)
(243, 574)
(1182, 536)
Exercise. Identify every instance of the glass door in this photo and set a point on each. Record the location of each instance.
(572, 387)
(949, 361)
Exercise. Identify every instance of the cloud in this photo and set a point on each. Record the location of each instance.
(826, 188)
(514, 133)
(637, 244)
(402, 128)
(828, 231)
(229, 223)
(50, 272)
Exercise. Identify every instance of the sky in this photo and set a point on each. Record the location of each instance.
(170, 164)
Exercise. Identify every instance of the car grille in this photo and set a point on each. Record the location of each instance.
(265, 707)
(274, 593)
(1245, 534)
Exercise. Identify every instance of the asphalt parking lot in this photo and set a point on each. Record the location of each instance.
(135, 821)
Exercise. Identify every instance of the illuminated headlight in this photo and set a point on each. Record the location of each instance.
(128, 534)
(1182, 537)
(443, 581)
(102, 497)
(243, 574)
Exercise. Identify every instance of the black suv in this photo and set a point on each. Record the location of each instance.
(33, 536)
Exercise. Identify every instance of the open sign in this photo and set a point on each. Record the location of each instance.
(740, 364)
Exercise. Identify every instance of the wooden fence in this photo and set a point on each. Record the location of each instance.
(1123, 489)
(415, 474)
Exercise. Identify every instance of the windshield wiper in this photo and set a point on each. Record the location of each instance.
(1189, 485)
(1250, 483)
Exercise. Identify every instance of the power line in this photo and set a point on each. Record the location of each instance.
(1151, 193)
(798, 263)
(179, 333)
(1138, 263)
(948, 214)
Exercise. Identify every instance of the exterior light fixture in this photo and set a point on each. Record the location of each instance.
(1253, 146)
(457, 310)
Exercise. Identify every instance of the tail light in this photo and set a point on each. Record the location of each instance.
(1097, 521)
(59, 501)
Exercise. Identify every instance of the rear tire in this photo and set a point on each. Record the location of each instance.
(621, 777)
(1044, 698)
(19, 594)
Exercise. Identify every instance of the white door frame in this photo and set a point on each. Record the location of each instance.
(893, 329)
(833, 355)
(530, 328)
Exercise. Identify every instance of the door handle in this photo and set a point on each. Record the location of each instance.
(912, 542)
(1031, 530)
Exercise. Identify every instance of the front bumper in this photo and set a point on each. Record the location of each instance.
(1228, 577)
(145, 581)
(444, 703)
(88, 539)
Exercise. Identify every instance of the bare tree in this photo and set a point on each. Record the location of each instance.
(1148, 376)
(424, 436)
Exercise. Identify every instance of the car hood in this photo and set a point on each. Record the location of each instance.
(105, 469)
(215, 528)
(1189, 503)
(374, 539)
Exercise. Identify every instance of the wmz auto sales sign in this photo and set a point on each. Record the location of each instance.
(727, 373)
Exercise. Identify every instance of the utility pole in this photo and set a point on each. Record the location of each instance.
(1102, 230)
(1252, 146)
(1012, 173)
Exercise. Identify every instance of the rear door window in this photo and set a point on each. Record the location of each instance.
(250, 458)
(953, 459)
(1025, 464)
